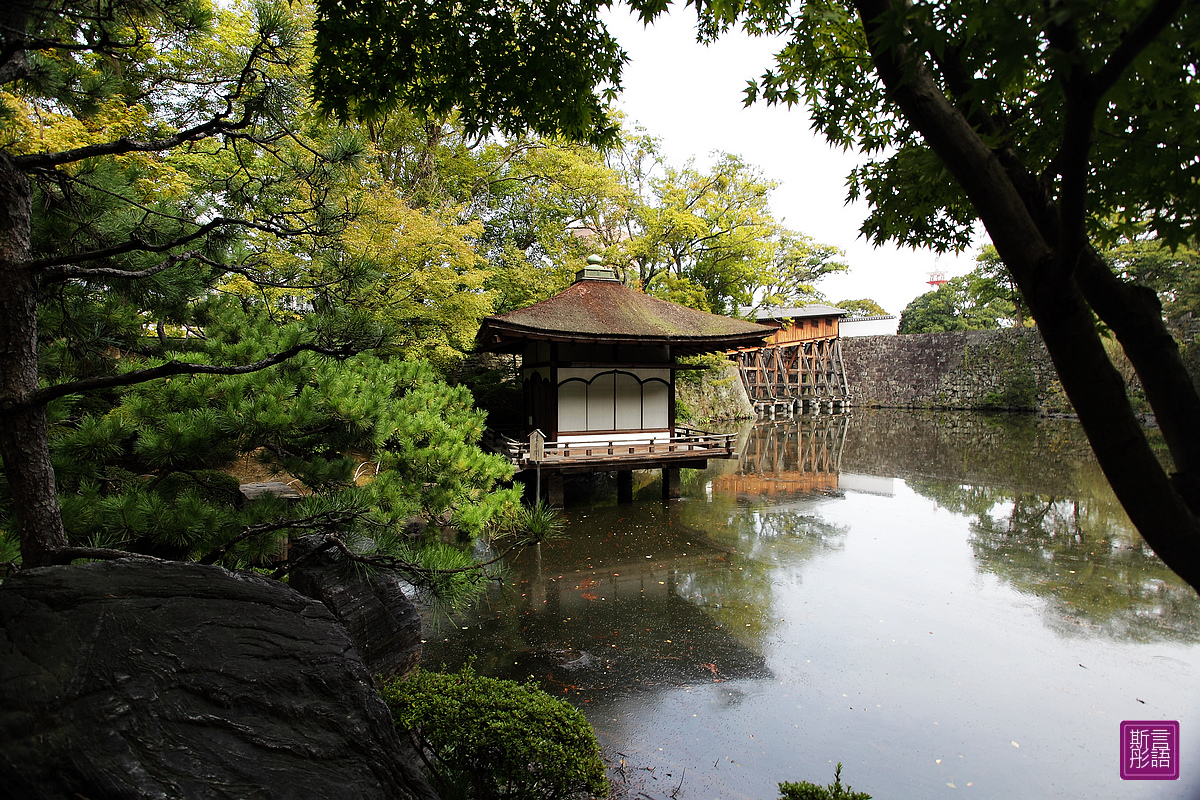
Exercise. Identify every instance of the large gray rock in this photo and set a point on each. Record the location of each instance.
(384, 624)
(130, 679)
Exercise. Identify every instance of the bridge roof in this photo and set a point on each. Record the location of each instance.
(800, 312)
(602, 310)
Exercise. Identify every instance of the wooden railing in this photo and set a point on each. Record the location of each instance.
(683, 444)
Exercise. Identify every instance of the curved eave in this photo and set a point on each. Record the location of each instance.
(500, 338)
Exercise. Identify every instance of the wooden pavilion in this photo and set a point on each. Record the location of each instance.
(598, 366)
(800, 366)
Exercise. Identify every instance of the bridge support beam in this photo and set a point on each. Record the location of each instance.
(554, 489)
(625, 486)
(670, 483)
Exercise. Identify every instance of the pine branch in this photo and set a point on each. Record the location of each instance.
(43, 396)
(63, 273)
(217, 125)
(65, 555)
(137, 244)
(322, 520)
(390, 563)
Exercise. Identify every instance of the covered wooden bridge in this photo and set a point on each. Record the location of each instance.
(598, 366)
(799, 367)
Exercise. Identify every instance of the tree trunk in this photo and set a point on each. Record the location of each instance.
(1024, 223)
(24, 445)
(1097, 391)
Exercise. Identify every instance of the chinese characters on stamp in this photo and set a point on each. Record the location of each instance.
(1149, 750)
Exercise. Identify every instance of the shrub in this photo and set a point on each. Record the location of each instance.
(540, 521)
(811, 791)
(491, 738)
(709, 363)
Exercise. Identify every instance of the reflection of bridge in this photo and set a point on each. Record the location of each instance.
(796, 457)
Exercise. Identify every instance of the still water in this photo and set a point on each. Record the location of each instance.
(946, 604)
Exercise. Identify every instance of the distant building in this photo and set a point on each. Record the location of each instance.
(882, 325)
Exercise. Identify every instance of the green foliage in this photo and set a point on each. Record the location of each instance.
(510, 66)
(684, 413)
(994, 61)
(1020, 392)
(1173, 273)
(263, 230)
(681, 290)
(799, 263)
(143, 472)
(707, 363)
(952, 307)
(539, 195)
(811, 791)
(991, 283)
(540, 522)
(493, 738)
(708, 240)
(865, 307)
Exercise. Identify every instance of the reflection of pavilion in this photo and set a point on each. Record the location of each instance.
(630, 626)
(593, 614)
(796, 457)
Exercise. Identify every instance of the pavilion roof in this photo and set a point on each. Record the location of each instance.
(605, 311)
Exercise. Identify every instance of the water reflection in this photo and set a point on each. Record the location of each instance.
(1080, 553)
(907, 593)
(611, 607)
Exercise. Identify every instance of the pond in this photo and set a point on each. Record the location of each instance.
(944, 603)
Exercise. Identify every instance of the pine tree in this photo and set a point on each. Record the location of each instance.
(183, 291)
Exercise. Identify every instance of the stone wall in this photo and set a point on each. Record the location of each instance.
(718, 394)
(1003, 369)
(1186, 331)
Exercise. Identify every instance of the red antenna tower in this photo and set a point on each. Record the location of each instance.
(936, 278)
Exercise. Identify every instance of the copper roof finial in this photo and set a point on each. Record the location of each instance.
(595, 270)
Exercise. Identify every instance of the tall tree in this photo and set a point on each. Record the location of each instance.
(545, 205)
(1172, 272)
(991, 281)
(799, 263)
(866, 307)
(954, 306)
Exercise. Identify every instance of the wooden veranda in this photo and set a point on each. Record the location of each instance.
(686, 448)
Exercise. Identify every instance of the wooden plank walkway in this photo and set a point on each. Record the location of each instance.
(685, 444)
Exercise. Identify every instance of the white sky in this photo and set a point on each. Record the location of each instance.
(690, 97)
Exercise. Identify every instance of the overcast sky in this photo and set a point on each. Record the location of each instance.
(690, 97)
